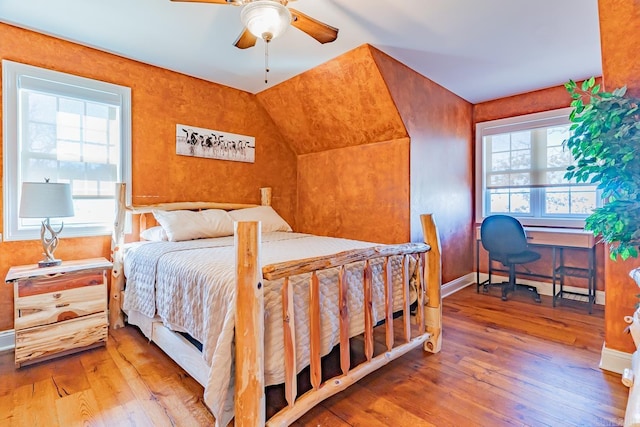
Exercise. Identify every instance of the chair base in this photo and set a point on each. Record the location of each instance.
(508, 287)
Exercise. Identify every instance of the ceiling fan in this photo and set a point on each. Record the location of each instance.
(267, 19)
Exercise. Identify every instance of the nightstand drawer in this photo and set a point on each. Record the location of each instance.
(52, 307)
(60, 282)
(44, 341)
(59, 309)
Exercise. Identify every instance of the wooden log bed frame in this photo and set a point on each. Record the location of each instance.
(249, 318)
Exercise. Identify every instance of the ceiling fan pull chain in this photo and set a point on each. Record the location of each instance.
(266, 59)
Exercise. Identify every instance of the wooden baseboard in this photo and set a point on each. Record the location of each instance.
(7, 340)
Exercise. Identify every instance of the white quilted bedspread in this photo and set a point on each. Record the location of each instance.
(190, 286)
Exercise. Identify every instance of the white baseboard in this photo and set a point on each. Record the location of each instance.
(544, 288)
(7, 340)
(614, 360)
(460, 283)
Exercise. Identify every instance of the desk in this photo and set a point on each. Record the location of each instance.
(558, 239)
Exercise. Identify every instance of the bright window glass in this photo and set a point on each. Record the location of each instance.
(66, 129)
(521, 167)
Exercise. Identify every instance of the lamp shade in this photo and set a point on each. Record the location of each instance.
(266, 19)
(46, 200)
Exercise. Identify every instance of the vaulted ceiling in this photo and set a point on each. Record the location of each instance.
(479, 50)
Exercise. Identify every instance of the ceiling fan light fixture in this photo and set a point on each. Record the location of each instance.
(266, 19)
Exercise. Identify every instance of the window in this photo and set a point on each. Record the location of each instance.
(521, 164)
(67, 129)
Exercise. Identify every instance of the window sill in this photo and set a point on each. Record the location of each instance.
(547, 222)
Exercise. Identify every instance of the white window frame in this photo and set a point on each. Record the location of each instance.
(514, 124)
(12, 71)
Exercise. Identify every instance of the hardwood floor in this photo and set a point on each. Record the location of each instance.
(513, 363)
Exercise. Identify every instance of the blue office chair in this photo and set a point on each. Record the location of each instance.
(504, 238)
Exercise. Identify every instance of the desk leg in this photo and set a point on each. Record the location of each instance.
(562, 272)
(553, 274)
(477, 266)
(592, 278)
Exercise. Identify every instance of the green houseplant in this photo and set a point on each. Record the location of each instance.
(606, 145)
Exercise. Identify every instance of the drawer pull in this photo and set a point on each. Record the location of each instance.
(56, 296)
(62, 305)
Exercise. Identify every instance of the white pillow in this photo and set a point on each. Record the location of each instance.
(270, 219)
(154, 234)
(189, 225)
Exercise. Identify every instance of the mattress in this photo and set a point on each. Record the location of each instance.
(190, 287)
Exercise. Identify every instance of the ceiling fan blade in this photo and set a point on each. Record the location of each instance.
(318, 30)
(245, 40)
(233, 2)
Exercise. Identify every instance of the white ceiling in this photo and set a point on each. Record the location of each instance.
(478, 49)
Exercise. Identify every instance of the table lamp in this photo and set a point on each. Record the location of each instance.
(47, 200)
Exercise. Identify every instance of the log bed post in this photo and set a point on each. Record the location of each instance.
(116, 318)
(433, 277)
(265, 196)
(249, 327)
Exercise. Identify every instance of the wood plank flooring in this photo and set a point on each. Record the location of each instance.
(513, 363)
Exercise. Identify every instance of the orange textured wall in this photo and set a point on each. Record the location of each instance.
(377, 145)
(620, 38)
(352, 146)
(160, 100)
(341, 103)
(359, 192)
(441, 166)
(526, 103)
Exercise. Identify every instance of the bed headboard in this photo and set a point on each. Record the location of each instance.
(146, 219)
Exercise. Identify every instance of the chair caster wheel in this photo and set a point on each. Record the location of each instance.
(503, 298)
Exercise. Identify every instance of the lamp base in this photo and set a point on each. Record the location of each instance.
(49, 263)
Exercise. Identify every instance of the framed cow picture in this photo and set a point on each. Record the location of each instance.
(214, 144)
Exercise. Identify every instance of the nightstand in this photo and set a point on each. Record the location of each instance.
(59, 310)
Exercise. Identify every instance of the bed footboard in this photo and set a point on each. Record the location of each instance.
(250, 395)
